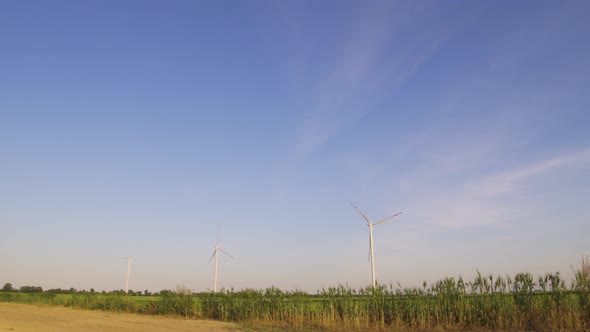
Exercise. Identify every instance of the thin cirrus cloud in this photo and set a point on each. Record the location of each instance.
(470, 154)
(474, 203)
(511, 180)
(375, 61)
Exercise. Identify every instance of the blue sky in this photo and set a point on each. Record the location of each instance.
(135, 128)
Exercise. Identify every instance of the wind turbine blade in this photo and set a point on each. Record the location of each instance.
(384, 220)
(223, 251)
(214, 251)
(362, 214)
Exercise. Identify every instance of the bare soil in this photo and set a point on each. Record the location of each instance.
(26, 317)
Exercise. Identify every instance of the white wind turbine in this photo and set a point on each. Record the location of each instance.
(370, 224)
(216, 255)
(129, 262)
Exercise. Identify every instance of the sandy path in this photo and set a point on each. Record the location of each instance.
(25, 317)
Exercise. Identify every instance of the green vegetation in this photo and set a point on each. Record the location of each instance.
(487, 302)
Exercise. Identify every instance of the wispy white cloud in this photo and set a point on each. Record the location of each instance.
(509, 181)
(376, 61)
(476, 201)
(487, 123)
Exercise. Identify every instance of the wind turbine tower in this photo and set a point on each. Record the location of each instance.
(216, 252)
(371, 225)
(129, 262)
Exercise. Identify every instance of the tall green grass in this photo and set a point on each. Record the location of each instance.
(487, 302)
(520, 303)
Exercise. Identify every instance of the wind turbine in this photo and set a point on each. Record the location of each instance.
(216, 255)
(371, 225)
(129, 262)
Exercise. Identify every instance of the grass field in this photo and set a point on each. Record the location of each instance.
(495, 303)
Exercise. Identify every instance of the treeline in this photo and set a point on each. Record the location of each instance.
(9, 288)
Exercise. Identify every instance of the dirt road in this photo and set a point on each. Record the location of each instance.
(25, 317)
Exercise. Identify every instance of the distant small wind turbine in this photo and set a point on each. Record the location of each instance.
(216, 255)
(129, 262)
(370, 224)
